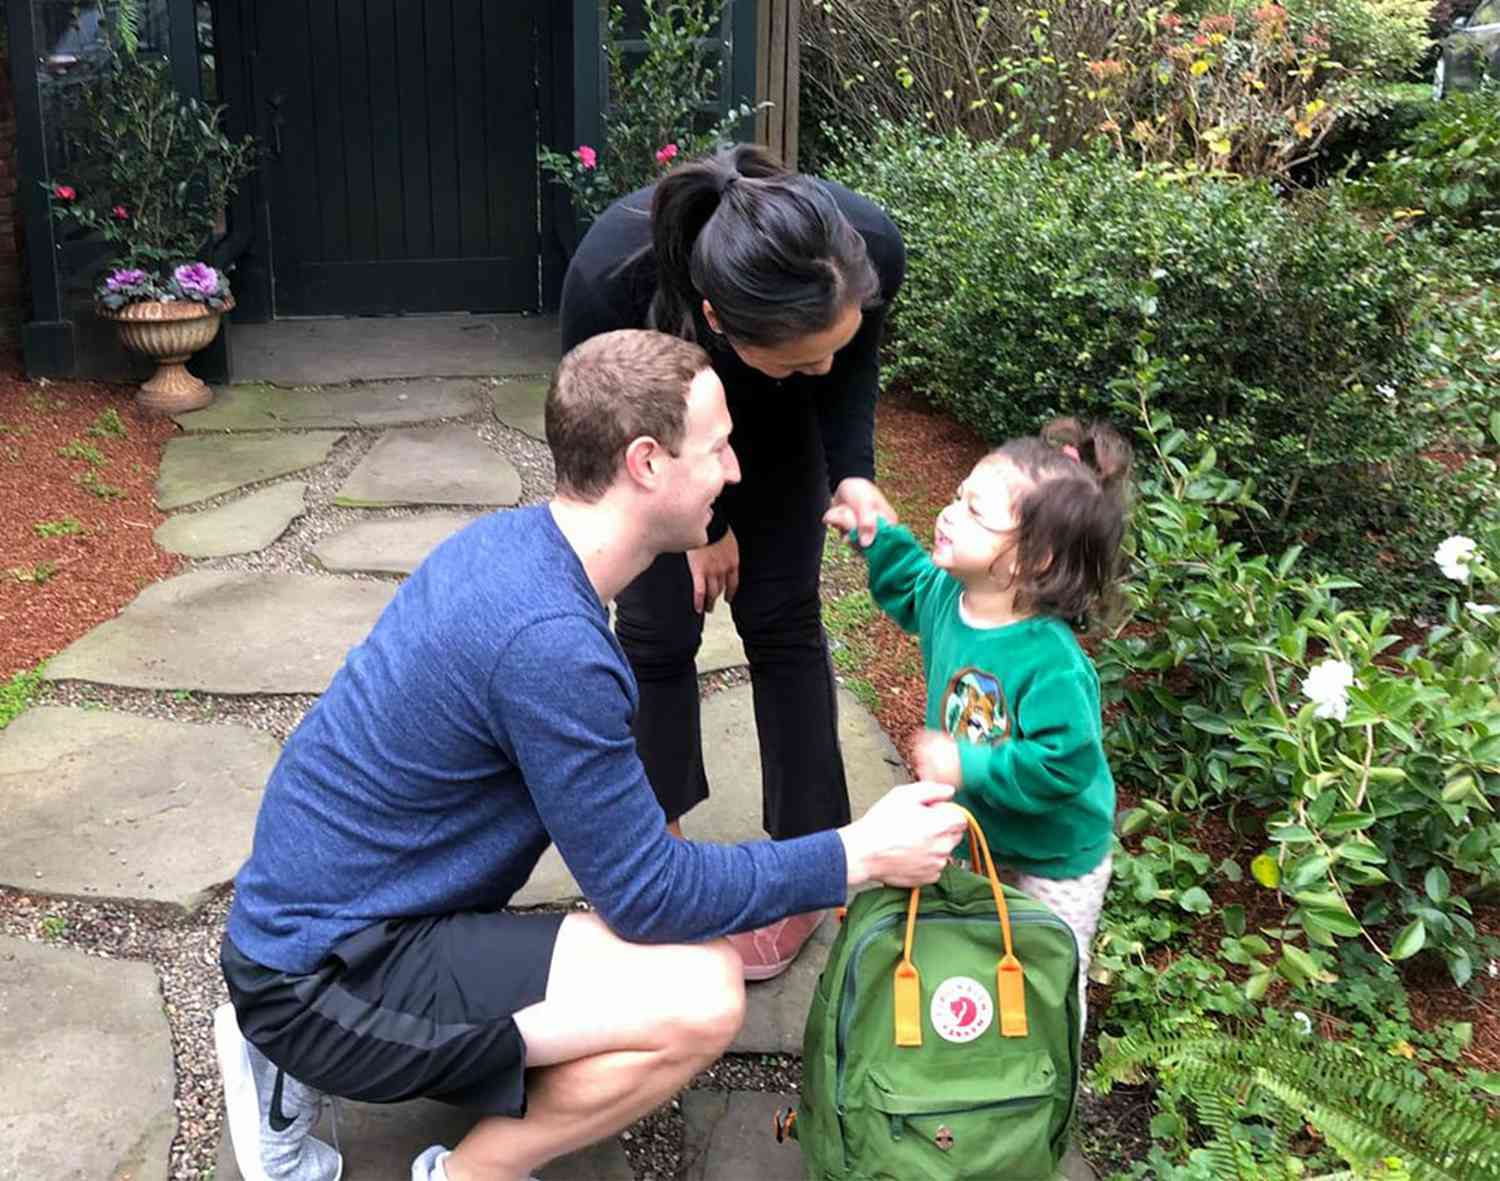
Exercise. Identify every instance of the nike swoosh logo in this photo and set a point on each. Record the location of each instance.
(278, 1121)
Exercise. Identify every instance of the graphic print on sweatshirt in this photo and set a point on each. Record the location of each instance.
(975, 710)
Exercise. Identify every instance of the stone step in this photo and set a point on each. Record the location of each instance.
(202, 466)
(521, 405)
(226, 632)
(99, 804)
(240, 527)
(379, 1142)
(259, 407)
(442, 465)
(85, 1067)
(396, 546)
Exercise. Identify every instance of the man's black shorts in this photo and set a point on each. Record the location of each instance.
(404, 1009)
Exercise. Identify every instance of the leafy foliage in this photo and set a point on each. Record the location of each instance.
(1284, 331)
(1252, 1091)
(1450, 164)
(657, 102)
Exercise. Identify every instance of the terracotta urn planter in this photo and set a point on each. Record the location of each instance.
(171, 331)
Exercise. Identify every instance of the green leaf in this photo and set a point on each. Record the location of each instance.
(1266, 870)
(1306, 870)
(1303, 962)
(1291, 834)
(1495, 426)
(1436, 883)
(1255, 987)
(1288, 560)
(1346, 822)
(1135, 821)
(1195, 900)
(1411, 940)
(1234, 919)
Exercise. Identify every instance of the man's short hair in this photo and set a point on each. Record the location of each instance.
(611, 390)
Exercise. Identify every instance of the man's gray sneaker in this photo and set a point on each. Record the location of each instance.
(271, 1115)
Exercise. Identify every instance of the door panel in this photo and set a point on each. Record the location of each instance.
(403, 143)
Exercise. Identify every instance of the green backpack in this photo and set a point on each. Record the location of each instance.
(911, 1069)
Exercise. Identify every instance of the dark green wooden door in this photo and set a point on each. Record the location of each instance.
(402, 137)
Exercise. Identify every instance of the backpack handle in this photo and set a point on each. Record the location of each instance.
(1010, 984)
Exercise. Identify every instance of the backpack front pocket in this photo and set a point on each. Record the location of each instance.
(996, 1129)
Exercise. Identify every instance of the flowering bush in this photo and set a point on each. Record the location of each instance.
(155, 174)
(1371, 771)
(655, 104)
(1249, 95)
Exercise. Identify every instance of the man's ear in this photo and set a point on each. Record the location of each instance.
(643, 461)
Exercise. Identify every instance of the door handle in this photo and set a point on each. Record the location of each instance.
(277, 121)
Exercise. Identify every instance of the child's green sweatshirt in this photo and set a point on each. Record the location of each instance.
(1023, 702)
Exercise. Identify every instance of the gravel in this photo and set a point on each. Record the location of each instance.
(185, 950)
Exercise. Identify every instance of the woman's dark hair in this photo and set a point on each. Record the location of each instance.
(768, 248)
(1071, 521)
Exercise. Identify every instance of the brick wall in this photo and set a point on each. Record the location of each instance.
(12, 291)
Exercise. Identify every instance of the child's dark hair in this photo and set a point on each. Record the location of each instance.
(1071, 522)
(768, 248)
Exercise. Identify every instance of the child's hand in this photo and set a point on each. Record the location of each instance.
(935, 758)
(842, 518)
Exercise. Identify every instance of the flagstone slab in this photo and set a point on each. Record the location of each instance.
(108, 805)
(259, 407)
(202, 466)
(445, 465)
(240, 527)
(379, 1142)
(85, 1067)
(521, 405)
(729, 1134)
(389, 547)
(221, 631)
(731, 755)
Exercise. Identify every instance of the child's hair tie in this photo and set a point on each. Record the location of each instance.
(1071, 452)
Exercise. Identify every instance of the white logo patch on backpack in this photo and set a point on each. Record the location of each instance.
(961, 1009)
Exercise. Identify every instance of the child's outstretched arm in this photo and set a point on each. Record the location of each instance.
(1056, 752)
(900, 571)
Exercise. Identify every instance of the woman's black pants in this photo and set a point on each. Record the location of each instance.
(776, 515)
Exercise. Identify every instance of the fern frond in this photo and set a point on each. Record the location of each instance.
(1367, 1108)
(128, 25)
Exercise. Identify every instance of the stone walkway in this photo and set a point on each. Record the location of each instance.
(110, 804)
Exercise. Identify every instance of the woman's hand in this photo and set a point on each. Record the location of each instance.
(905, 838)
(716, 571)
(868, 504)
(935, 758)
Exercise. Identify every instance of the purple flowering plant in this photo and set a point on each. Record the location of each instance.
(155, 173)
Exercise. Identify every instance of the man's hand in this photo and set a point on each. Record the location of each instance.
(934, 755)
(716, 571)
(868, 504)
(905, 839)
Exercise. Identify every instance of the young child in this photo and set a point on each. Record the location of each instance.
(1030, 542)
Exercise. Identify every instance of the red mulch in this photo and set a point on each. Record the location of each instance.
(923, 456)
(86, 577)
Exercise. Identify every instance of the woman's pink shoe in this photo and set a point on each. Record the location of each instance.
(769, 951)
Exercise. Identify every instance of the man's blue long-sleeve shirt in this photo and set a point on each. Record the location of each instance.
(488, 714)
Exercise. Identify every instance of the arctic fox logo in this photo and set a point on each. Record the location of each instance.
(961, 1009)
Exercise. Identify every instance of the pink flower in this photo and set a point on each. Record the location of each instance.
(666, 153)
(119, 213)
(65, 192)
(587, 156)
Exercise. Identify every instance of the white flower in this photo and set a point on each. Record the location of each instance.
(1494, 968)
(1483, 610)
(1453, 557)
(1327, 685)
(1304, 1022)
(1387, 391)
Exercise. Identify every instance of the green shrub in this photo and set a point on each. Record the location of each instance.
(1282, 329)
(1449, 166)
(1371, 772)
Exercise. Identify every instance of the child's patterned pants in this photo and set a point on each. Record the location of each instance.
(1077, 901)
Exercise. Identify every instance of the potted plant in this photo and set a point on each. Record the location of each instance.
(155, 172)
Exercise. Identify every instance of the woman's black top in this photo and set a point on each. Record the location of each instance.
(600, 295)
